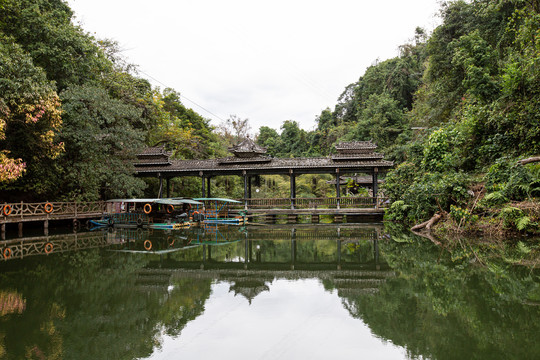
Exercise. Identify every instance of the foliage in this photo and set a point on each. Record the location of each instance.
(513, 216)
(30, 117)
(43, 28)
(462, 216)
(100, 145)
(235, 129)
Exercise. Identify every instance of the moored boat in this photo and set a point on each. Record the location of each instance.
(170, 213)
(217, 211)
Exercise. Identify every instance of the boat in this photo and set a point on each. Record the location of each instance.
(169, 213)
(216, 211)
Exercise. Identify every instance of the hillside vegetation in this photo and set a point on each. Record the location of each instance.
(456, 111)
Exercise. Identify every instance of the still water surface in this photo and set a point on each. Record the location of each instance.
(262, 292)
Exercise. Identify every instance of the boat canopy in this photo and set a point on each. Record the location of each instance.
(166, 201)
(177, 202)
(133, 200)
(218, 199)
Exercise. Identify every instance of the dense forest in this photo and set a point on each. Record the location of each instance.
(457, 111)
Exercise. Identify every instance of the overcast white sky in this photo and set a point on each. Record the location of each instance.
(268, 61)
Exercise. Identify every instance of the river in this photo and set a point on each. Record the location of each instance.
(266, 292)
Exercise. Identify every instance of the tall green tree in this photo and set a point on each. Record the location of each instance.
(43, 28)
(101, 144)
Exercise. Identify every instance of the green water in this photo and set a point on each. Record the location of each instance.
(265, 292)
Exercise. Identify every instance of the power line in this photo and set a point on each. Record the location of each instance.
(182, 96)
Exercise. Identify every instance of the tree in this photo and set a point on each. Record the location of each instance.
(100, 145)
(381, 120)
(29, 116)
(43, 28)
(235, 129)
(268, 138)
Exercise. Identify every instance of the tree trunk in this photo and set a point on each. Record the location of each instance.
(529, 160)
(427, 224)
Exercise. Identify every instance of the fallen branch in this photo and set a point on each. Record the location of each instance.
(529, 160)
(429, 237)
(427, 224)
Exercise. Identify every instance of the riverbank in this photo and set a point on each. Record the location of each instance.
(512, 219)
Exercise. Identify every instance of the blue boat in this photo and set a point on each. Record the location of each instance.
(216, 211)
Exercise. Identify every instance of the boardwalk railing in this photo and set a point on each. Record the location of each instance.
(20, 212)
(314, 203)
(49, 210)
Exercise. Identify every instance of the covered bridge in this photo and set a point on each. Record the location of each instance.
(250, 160)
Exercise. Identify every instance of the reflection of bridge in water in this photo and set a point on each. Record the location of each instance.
(349, 263)
(250, 259)
(44, 245)
(279, 247)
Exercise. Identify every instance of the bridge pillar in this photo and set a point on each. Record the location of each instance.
(3, 231)
(338, 189)
(203, 187)
(160, 191)
(375, 186)
(244, 174)
(293, 188)
(20, 229)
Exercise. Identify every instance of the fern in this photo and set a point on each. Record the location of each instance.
(523, 222)
(522, 248)
(496, 197)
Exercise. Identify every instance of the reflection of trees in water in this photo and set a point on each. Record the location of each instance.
(444, 309)
(94, 304)
(89, 305)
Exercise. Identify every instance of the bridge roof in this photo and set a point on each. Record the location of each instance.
(256, 166)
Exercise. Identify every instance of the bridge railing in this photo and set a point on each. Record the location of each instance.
(43, 209)
(314, 203)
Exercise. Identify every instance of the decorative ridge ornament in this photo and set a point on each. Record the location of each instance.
(247, 149)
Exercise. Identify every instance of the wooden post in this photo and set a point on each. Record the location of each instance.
(338, 189)
(203, 193)
(20, 229)
(244, 174)
(208, 183)
(292, 177)
(375, 187)
(160, 191)
(168, 187)
(3, 231)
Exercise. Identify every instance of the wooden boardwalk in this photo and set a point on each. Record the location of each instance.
(19, 213)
